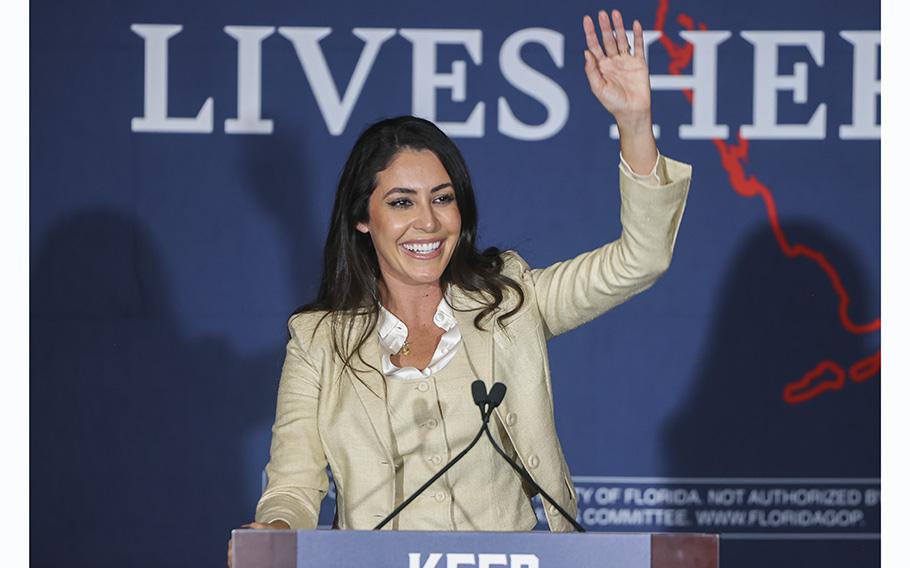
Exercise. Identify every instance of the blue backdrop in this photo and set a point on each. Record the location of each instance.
(183, 164)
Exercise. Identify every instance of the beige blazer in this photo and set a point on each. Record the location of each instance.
(327, 415)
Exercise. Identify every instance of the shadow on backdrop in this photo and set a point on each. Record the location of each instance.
(134, 428)
(776, 319)
(146, 446)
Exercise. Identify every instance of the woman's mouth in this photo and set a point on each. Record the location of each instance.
(423, 250)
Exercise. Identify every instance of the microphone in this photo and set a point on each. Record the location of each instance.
(479, 393)
(497, 393)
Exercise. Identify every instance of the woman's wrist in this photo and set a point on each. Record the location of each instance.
(637, 144)
(634, 124)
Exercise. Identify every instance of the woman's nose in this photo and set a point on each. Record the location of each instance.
(427, 219)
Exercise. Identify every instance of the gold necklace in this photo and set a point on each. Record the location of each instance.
(405, 348)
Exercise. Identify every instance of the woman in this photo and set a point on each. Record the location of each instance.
(376, 379)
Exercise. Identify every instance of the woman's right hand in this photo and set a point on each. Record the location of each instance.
(274, 525)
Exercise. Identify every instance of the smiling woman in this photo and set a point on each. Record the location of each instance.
(410, 312)
(403, 229)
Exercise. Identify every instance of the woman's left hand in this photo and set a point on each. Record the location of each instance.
(620, 82)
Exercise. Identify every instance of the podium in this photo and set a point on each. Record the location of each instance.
(402, 549)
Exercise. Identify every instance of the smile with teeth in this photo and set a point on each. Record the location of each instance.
(422, 248)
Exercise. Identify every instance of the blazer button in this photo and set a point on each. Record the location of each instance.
(436, 459)
(511, 419)
(431, 423)
(533, 462)
(441, 496)
(422, 386)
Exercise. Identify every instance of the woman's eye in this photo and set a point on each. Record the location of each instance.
(404, 202)
(400, 203)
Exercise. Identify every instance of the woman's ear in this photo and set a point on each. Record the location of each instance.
(362, 227)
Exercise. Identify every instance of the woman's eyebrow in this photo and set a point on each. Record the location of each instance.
(409, 190)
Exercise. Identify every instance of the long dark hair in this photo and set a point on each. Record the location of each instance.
(350, 271)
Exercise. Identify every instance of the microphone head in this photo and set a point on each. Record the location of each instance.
(497, 393)
(479, 392)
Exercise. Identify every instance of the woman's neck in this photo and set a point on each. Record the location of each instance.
(411, 303)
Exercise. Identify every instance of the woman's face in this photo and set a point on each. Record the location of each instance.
(413, 219)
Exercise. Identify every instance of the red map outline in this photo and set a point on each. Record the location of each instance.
(827, 374)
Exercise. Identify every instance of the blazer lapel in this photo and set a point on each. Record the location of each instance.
(362, 373)
(369, 385)
(478, 345)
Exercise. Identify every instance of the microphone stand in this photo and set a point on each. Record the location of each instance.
(494, 400)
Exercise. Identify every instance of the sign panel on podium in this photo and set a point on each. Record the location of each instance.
(388, 549)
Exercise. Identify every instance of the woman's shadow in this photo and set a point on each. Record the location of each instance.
(776, 319)
(146, 446)
(134, 427)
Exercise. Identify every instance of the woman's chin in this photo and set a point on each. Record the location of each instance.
(426, 278)
(425, 274)
(419, 271)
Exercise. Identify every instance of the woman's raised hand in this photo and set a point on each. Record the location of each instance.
(619, 80)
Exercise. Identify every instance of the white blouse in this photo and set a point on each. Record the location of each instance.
(393, 333)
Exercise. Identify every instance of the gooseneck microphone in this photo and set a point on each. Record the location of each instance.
(497, 393)
(479, 393)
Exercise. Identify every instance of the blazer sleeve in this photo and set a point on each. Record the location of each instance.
(575, 291)
(297, 479)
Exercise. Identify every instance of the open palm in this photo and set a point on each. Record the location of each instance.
(618, 78)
